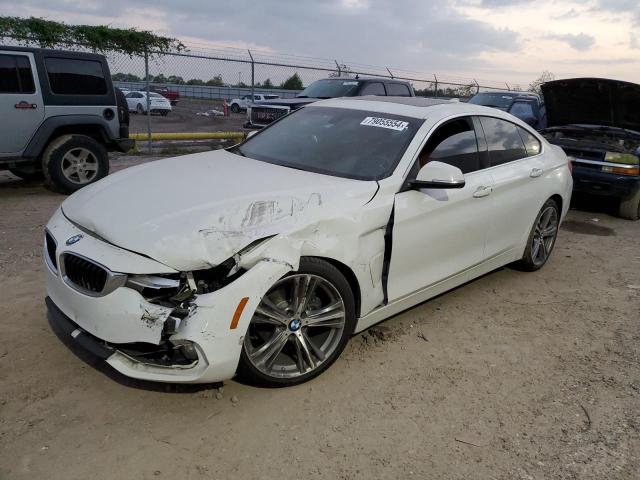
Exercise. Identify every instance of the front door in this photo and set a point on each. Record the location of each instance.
(20, 100)
(438, 233)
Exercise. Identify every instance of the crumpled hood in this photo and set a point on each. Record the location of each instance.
(198, 210)
(592, 101)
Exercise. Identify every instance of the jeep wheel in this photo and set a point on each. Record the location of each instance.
(71, 162)
(630, 208)
(27, 172)
(235, 108)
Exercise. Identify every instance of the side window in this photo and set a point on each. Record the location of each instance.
(522, 110)
(398, 90)
(374, 88)
(454, 143)
(531, 143)
(256, 97)
(15, 74)
(503, 140)
(75, 76)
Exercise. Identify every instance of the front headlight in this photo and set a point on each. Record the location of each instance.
(630, 161)
(617, 157)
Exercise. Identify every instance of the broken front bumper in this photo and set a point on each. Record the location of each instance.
(126, 330)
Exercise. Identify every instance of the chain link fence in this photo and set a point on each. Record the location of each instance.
(203, 77)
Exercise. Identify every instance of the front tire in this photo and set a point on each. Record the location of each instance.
(140, 109)
(630, 209)
(71, 162)
(235, 108)
(300, 327)
(542, 237)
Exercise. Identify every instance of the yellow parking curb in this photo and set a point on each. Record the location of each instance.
(188, 136)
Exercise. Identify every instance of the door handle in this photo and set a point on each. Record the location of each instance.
(535, 172)
(24, 105)
(482, 191)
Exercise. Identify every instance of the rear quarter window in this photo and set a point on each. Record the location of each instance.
(71, 76)
(531, 143)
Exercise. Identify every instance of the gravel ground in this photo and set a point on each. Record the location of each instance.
(512, 376)
(183, 118)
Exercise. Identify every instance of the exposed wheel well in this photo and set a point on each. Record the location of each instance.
(351, 278)
(558, 199)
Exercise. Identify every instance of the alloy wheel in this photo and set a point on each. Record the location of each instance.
(296, 327)
(544, 235)
(79, 166)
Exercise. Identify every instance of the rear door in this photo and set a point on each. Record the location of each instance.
(438, 233)
(517, 168)
(20, 100)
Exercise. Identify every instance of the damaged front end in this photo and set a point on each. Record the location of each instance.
(177, 292)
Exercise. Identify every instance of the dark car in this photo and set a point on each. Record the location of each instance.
(260, 114)
(597, 122)
(527, 106)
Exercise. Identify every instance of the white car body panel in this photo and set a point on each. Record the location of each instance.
(197, 211)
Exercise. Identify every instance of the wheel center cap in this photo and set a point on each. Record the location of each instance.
(295, 325)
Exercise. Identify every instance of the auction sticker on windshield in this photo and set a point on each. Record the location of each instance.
(385, 123)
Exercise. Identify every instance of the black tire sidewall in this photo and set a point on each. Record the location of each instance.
(52, 161)
(322, 268)
(527, 262)
(235, 108)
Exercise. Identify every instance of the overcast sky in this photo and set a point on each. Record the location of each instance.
(512, 40)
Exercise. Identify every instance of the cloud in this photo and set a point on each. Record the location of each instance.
(580, 41)
(618, 7)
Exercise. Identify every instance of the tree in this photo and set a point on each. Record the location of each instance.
(294, 82)
(175, 80)
(216, 81)
(125, 77)
(195, 81)
(100, 38)
(267, 83)
(160, 78)
(544, 77)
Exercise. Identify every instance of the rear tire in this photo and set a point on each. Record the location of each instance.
(630, 209)
(164, 113)
(140, 109)
(283, 348)
(27, 172)
(71, 162)
(235, 108)
(542, 238)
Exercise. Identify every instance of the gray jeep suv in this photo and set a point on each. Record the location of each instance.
(60, 116)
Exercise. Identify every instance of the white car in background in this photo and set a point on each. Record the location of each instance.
(240, 104)
(263, 259)
(137, 102)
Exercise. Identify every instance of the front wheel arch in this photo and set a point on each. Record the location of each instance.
(349, 275)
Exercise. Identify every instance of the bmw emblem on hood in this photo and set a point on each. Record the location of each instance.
(74, 239)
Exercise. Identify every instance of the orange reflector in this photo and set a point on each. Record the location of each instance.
(621, 170)
(238, 314)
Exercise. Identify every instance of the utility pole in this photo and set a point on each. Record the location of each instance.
(252, 74)
(146, 81)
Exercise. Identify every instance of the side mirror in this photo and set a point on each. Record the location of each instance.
(438, 175)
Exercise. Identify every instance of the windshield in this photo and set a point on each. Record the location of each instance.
(498, 100)
(341, 142)
(331, 88)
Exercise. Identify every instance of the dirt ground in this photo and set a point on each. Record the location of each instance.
(512, 376)
(183, 118)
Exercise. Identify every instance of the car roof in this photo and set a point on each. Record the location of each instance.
(416, 107)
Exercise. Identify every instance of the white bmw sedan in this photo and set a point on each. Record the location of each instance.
(263, 259)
